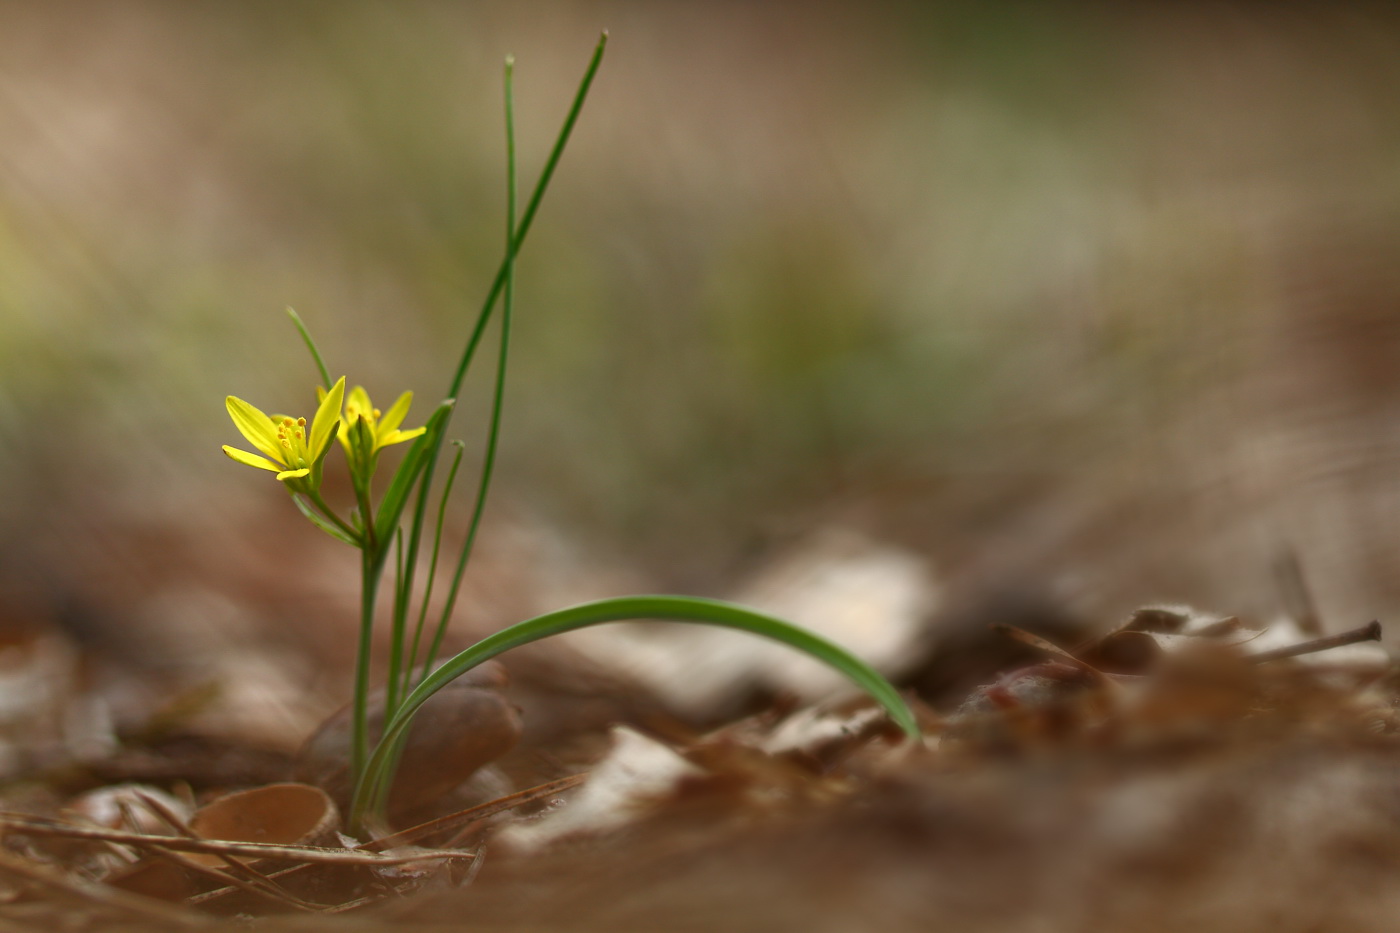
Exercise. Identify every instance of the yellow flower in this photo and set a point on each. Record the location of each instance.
(291, 450)
(380, 428)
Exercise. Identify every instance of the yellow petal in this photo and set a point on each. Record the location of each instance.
(318, 456)
(398, 437)
(293, 474)
(255, 426)
(252, 460)
(357, 403)
(344, 438)
(323, 426)
(395, 415)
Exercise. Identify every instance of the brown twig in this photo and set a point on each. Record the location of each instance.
(228, 878)
(294, 853)
(414, 833)
(1354, 636)
(145, 908)
(1297, 596)
(240, 874)
(472, 814)
(1048, 647)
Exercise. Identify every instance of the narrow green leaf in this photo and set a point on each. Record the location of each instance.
(664, 608)
(493, 430)
(433, 560)
(420, 462)
(322, 524)
(311, 345)
(527, 218)
(395, 497)
(397, 626)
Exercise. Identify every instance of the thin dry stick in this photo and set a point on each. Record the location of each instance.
(199, 900)
(173, 820)
(1297, 596)
(41, 827)
(414, 833)
(1354, 636)
(126, 853)
(240, 874)
(1050, 648)
(226, 878)
(472, 814)
(148, 910)
(355, 904)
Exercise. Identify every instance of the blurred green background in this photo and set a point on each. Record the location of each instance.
(1095, 299)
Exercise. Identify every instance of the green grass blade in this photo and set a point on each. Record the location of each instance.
(667, 608)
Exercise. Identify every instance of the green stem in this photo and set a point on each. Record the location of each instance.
(359, 718)
(396, 638)
(326, 510)
(407, 574)
(432, 564)
(366, 513)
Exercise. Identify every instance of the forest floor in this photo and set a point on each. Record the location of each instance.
(1176, 771)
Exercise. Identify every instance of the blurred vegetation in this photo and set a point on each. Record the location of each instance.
(930, 263)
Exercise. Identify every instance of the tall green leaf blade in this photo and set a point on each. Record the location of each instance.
(527, 217)
(662, 608)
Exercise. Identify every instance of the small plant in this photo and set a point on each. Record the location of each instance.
(297, 450)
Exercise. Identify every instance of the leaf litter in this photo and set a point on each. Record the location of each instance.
(1181, 770)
